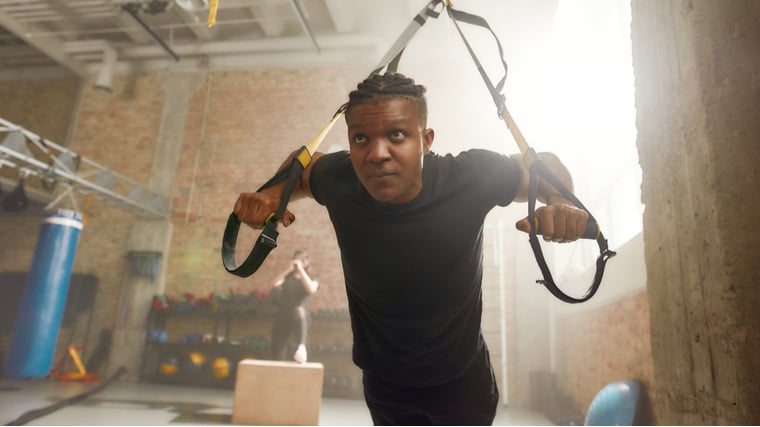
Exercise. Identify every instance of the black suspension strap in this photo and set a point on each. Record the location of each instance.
(268, 238)
(536, 168)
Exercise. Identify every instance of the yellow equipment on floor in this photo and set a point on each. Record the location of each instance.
(80, 375)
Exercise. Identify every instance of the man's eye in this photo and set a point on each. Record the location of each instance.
(360, 139)
(397, 135)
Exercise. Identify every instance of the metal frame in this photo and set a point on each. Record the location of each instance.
(53, 172)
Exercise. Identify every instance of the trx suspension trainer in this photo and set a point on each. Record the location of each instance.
(268, 237)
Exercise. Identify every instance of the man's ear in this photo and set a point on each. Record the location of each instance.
(428, 135)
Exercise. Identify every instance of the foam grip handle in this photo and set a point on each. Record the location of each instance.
(592, 229)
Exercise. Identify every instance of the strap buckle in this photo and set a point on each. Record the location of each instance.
(268, 236)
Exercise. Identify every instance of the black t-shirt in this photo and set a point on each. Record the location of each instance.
(413, 270)
(293, 293)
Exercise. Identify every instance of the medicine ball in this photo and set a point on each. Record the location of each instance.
(220, 368)
(169, 365)
(195, 362)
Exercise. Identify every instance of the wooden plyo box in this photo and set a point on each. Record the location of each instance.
(277, 393)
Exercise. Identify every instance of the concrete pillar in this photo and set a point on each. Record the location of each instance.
(697, 77)
(178, 88)
(150, 234)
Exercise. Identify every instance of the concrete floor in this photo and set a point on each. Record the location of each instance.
(124, 403)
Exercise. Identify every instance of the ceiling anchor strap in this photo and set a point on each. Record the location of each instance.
(212, 9)
(536, 167)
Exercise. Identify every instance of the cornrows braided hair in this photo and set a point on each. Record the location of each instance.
(385, 87)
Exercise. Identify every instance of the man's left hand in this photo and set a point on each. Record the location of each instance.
(560, 222)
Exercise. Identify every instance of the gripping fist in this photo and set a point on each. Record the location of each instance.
(253, 209)
(560, 222)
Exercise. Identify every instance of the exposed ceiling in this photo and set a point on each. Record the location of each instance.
(49, 37)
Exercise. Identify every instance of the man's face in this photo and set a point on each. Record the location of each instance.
(303, 258)
(387, 143)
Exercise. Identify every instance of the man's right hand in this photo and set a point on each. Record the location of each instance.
(253, 209)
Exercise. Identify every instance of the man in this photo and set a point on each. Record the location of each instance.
(292, 318)
(411, 248)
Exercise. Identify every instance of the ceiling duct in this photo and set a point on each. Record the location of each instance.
(193, 5)
(104, 82)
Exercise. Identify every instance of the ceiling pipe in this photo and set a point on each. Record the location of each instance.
(104, 82)
(131, 9)
(96, 50)
(193, 5)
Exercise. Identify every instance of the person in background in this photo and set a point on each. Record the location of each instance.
(292, 317)
(409, 224)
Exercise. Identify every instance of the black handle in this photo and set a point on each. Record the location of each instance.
(592, 229)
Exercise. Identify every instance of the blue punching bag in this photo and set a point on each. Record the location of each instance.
(38, 322)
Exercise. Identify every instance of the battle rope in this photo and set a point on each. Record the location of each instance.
(536, 167)
(41, 412)
(268, 238)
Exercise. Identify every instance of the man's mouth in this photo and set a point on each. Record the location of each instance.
(379, 175)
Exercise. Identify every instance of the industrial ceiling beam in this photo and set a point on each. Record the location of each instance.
(47, 45)
(138, 35)
(194, 23)
(269, 18)
(301, 14)
(342, 14)
(281, 44)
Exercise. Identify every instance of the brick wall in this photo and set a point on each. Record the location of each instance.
(603, 345)
(46, 107)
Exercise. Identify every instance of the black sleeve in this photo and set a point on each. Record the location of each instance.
(324, 172)
(498, 174)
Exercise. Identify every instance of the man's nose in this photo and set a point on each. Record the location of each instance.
(378, 150)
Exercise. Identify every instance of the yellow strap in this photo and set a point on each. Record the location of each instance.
(214, 5)
(512, 126)
(319, 137)
(304, 158)
(269, 217)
